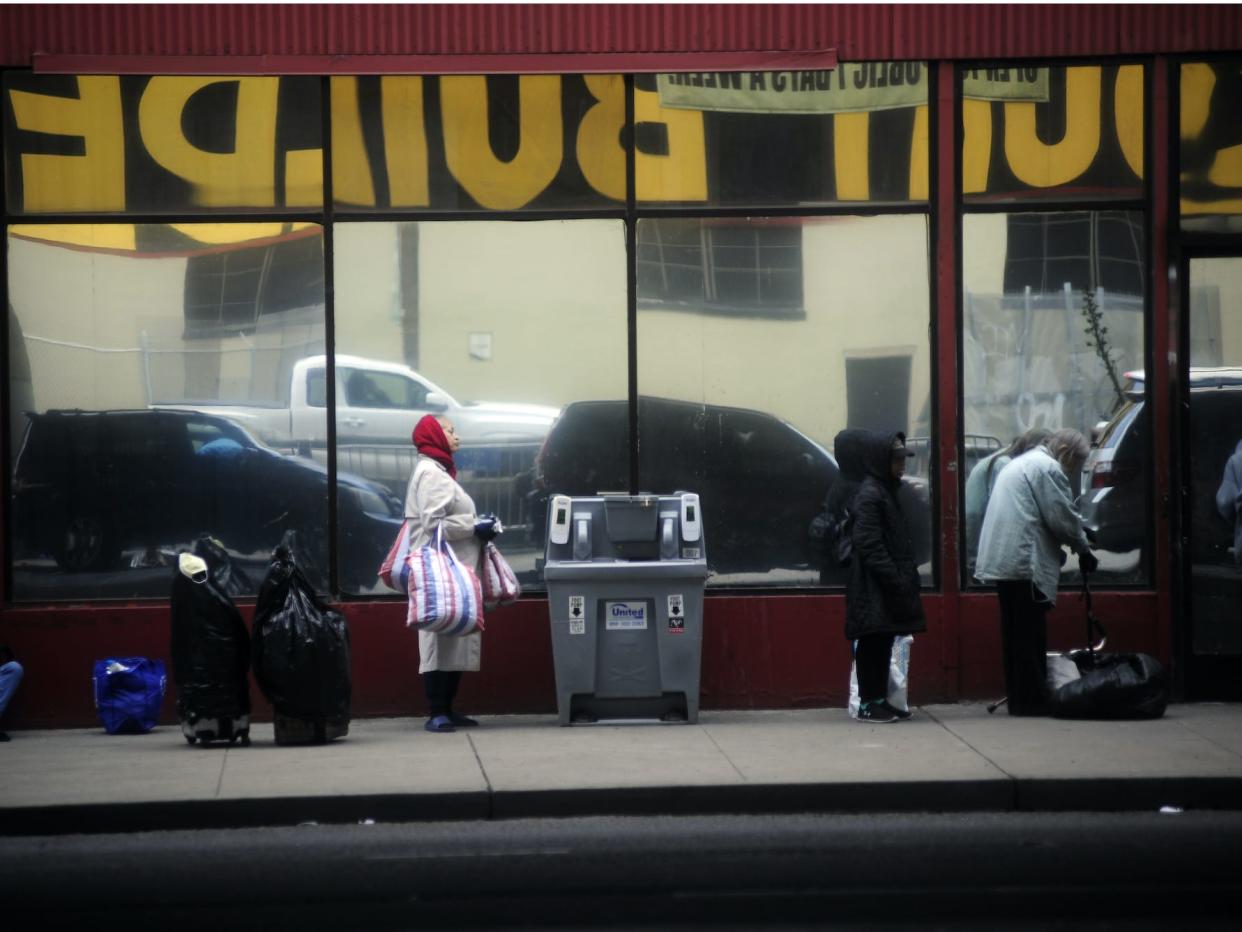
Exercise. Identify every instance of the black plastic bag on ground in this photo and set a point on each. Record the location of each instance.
(300, 646)
(1113, 686)
(210, 643)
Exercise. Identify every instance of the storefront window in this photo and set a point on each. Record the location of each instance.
(1210, 155)
(740, 398)
(151, 402)
(474, 142)
(1053, 331)
(1059, 132)
(103, 143)
(856, 133)
(499, 326)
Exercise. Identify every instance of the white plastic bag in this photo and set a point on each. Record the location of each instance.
(1061, 670)
(898, 677)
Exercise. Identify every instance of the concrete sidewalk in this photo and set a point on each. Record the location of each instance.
(946, 758)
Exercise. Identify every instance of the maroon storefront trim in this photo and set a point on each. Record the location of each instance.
(554, 63)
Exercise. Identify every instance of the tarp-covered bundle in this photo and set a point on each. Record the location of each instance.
(210, 647)
(301, 652)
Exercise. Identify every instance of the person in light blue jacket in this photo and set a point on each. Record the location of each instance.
(1030, 517)
(1229, 499)
(983, 477)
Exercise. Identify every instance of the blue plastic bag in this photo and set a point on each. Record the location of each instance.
(128, 694)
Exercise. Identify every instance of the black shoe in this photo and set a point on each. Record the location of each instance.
(876, 713)
(900, 714)
(4, 736)
(462, 721)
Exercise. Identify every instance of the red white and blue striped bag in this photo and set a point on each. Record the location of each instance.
(445, 596)
(394, 571)
(500, 584)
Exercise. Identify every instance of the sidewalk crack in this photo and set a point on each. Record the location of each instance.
(487, 781)
(946, 727)
(717, 746)
(1209, 739)
(220, 779)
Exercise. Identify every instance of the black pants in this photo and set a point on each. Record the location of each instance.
(1024, 646)
(441, 688)
(872, 658)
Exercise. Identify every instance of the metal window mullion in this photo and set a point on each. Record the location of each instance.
(709, 262)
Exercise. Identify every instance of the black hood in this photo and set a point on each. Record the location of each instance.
(877, 451)
(849, 447)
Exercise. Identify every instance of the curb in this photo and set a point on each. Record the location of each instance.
(1003, 795)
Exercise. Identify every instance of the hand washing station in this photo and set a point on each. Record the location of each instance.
(625, 577)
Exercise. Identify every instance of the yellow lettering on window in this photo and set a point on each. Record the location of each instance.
(1198, 82)
(850, 152)
(304, 178)
(405, 141)
(245, 177)
(681, 174)
(495, 184)
(600, 154)
(920, 169)
(351, 170)
(976, 145)
(1041, 165)
(1226, 170)
(1128, 114)
(94, 180)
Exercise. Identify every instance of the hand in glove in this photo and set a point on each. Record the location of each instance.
(485, 528)
(1087, 562)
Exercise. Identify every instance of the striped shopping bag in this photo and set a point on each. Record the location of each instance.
(394, 571)
(445, 596)
(499, 582)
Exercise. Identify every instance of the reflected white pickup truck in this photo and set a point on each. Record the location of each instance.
(377, 403)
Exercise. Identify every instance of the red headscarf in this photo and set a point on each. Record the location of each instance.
(431, 441)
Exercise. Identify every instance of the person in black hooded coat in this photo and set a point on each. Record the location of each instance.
(848, 447)
(882, 593)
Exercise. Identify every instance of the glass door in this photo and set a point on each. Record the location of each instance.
(1213, 479)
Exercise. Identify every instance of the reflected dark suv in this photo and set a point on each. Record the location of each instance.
(89, 486)
(1115, 501)
(759, 479)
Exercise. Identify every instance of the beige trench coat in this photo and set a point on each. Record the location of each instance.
(433, 498)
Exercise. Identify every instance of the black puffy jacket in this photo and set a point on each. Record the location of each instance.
(848, 447)
(882, 593)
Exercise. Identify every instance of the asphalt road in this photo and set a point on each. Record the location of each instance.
(979, 871)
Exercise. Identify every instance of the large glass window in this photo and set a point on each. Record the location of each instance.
(1215, 469)
(856, 133)
(172, 379)
(499, 326)
(142, 421)
(744, 408)
(1053, 333)
(169, 144)
(1211, 152)
(475, 142)
(1059, 132)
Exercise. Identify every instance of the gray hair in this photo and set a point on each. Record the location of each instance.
(1029, 440)
(1068, 447)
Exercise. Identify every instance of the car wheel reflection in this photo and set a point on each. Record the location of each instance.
(84, 545)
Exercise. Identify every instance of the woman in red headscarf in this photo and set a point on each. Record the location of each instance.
(434, 499)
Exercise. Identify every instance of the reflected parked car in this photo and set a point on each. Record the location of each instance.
(1116, 500)
(91, 485)
(760, 479)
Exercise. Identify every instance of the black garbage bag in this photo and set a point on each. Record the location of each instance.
(210, 643)
(301, 646)
(227, 575)
(1113, 686)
